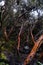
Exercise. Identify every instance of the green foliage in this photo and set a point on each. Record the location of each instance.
(39, 63)
(2, 63)
(3, 56)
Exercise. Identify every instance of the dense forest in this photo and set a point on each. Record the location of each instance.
(21, 32)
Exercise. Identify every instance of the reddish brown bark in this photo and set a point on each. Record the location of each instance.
(18, 42)
(34, 49)
(18, 46)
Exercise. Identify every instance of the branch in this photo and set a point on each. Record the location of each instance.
(5, 33)
(10, 31)
(19, 37)
(37, 44)
(38, 33)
